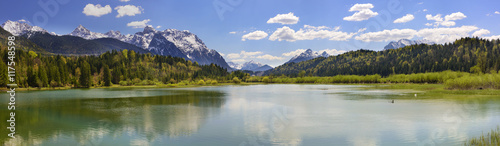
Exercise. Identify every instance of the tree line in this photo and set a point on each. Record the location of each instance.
(116, 67)
(473, 55)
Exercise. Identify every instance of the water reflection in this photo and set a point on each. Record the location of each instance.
(93, 120)
(250, 115)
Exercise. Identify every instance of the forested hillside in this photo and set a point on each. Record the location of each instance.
(466, 54)
(21, 43)
(123, 67)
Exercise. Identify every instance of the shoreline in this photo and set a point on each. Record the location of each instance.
(429, 88)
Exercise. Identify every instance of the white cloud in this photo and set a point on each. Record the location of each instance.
(158, 26)
(233, 55)
(96, 10)
(221, 54)
(481, 32)
(139, 24)
(495, 37)
(438, 35)
(496, 12)
(449, 20)
(454, 16)
(238, 60)
(232, 32)
(435, 18)
(124, 0)
(284, 19)
(425, 10)
(270, 57)
(387, 35)
(310, 33)
(299, 51)
(332, 51)
(128, 10)
(256, 35)
(364, 12)
(243, 55)
(294, 53)
(404, 19)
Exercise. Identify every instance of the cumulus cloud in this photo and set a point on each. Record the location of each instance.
(404, 19)
(270, 57)
(158, 26)
(363, 12)
(284, 19)
(124, 0)
(232, 32)
(310, 33)
(294, 53)
(481, 32)
(332, 51)
(387, 35)
(139, 24)
(128, 10)
(495, 37)
(238, 60)
(438, 35)
(243, 55)
(96, 10)
(496, 12)
(232, 55)
(256, 35)
(240, 57)
(449, 20)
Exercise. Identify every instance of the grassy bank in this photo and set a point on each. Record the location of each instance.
(492, 138)
(451, 79)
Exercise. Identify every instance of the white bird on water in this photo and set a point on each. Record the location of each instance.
(415, 95)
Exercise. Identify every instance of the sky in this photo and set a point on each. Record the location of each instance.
(271, 31)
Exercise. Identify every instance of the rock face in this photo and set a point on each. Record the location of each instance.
(406, 42)
(21, 27)
(307, 55)
(251, 66)
(168, 42)
(171, 42)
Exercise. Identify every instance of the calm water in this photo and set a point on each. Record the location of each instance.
(248, 115)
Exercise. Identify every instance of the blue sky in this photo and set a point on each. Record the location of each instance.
(294, 25)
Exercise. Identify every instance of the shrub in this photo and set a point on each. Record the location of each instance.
(201, 82)
(236, 80)
(266, 80)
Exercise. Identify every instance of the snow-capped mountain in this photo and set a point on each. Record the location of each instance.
(83, 32)
(406, 42)
(21, 27)
(174, 42)
(189, 44)
(160, 45)
(251, 66)
(307, 55)
(235, 65)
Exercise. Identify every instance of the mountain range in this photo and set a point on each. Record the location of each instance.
(406, 42)
(307, 55)
(171, 42)
(250, 66)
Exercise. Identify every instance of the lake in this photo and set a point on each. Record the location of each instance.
(274, 114)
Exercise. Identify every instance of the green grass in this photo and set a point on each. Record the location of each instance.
(490, 139)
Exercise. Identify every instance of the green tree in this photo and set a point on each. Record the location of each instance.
(43, 76)
(85, 77)
(3, 74)
(106, 76)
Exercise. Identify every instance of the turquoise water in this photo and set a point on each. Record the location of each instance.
(248, 115)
